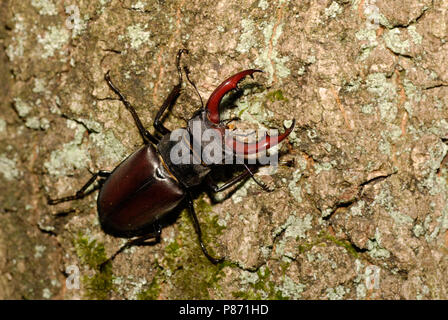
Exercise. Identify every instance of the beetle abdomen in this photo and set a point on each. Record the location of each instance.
(137, 193)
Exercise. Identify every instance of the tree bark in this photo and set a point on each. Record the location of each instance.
(362, 213)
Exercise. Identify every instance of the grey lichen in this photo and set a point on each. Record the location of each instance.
(385, 94)
(139, 5)
(269, 59)
(294, 228)
(394, 43)
(367, 109)
(385, 199)
(370, 38)
(54, 39)
(336, 293)
(376, 251)
(138, 36)
(291, 289)
(22, 108)
(433, 182)
(39, 86)
(294, 187)
(418, 230)
(358, 208)
(71, 156)
(247, 39)
(112, 148)
(241, 193)
(333, 10)
(17, 47)
(46, 293)
(2, 125)
(39, 251)
(32, 123)
(263, 4)
(324, 166)
(45, 7)
(416, 37)
(8, 167)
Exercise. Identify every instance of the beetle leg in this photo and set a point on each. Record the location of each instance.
(198, 231)
(168, 103)
(172, 97)
(146, 136)
(187, 73)
(217, 95)
(261, 184)
(215, 188)
(81, 193)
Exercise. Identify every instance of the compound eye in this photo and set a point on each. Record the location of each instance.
(159, 174)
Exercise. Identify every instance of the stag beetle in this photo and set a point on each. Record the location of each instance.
(148, 184)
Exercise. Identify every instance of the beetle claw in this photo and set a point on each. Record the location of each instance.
(227, 85)
(243, 148)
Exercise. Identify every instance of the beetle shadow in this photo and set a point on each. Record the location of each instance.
(229, 100)
(224, 173)
(171, 217)
(166, 220)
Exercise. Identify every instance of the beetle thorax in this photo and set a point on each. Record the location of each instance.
(207, 140)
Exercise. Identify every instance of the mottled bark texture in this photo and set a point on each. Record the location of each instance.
(362, 213)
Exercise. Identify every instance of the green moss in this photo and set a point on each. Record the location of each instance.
(306, 247)
(173, 249)
(93, 255)
(343, 243)
(90, 252)
(284, 265)
(193, 275)
(153, 290)
(322, 238)
(242, 111)
(276, 95)
(211, 227)
(202, 206)
(184, 267)
(100, 285)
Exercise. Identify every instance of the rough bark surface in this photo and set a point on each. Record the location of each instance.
(362, 214)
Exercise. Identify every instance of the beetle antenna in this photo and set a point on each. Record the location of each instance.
(187, 72)
(178, 56)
